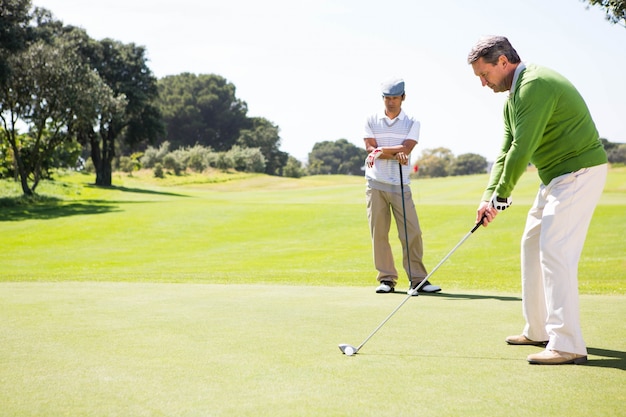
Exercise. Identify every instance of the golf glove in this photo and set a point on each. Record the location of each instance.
(500, 203)
(369, 161)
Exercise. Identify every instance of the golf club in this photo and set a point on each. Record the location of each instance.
(406, 233)
(350, 350)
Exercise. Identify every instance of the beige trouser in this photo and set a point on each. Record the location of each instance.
(552, 242)
(380, 206)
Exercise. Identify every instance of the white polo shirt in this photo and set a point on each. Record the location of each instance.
(388, 132)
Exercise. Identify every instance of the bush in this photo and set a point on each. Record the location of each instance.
(89, 167)
(158, 170)
(152, 156)
(127, 165)
(131, 163)
(225, 161)
(171, 162)
(293, 168)
(247, 159)
(212, 159)
(197, 158)
(149, 158)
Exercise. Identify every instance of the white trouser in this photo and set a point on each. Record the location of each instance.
(553, 240)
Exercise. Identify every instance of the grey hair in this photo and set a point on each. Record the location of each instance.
(490, 48)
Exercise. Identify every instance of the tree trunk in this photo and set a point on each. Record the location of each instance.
(103, 157)
(107, 160)
(107, 175)
(23, 177)
(19, 163)
(96, 157)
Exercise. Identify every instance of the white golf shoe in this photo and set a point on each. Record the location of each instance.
(427, 288)
(385, 287)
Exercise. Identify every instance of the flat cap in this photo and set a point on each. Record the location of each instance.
(393, 87)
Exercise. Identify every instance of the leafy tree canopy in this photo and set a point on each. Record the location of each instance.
(264, 135)
(14, 30)
(435, 162)
(615, 10)
(339, 157)
(201, 109)
(130, 116)
(616, 152)
(48, 88)
(468, 164)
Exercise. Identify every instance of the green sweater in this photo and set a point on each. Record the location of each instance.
(548, 124)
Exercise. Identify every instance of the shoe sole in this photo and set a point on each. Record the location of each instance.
(385, 292)
(577, 361)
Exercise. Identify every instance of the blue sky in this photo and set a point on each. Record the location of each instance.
(313, 67)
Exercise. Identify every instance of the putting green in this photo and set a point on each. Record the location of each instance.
(145, 349)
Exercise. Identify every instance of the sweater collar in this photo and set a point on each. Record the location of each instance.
(521, 67)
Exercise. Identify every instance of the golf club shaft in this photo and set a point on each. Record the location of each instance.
(383, 322)
(476, 226)
(421, 283)
(406, 233)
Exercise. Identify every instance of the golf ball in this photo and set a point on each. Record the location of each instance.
(349, 351)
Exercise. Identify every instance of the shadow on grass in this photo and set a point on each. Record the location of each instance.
(617, 361)
(465, 296)
(45, 208)
(617, 358)
(136, 190)
(477, 297)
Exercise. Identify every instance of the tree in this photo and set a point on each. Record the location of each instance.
(339, 157)
(615, 10)
(293, 168)
(608, 145)
(616, 152)
(617, 155)
(264, 135)
(131, 114)
(201, 109)
(468, 164)
(435, 162)
(14, 31)
(47, 88)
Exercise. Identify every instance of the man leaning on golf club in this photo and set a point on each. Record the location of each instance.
(548, 124)
(389, 137)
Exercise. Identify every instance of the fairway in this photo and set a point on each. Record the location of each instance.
(260, 229)
(256, 350)
(184, 297)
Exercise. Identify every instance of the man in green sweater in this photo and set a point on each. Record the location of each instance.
(548, 124)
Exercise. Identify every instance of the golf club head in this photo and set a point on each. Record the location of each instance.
(347, 349)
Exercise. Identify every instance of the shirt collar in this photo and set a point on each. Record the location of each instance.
(400, 116)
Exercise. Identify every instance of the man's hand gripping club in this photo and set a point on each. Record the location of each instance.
(488, 210)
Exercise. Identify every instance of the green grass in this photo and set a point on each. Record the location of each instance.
(260, 229)
(228, 295)
(142, 349)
